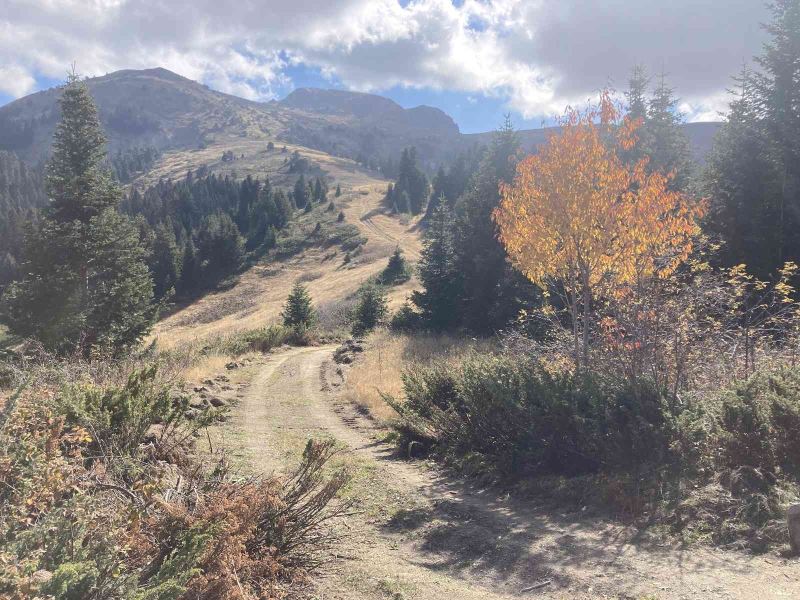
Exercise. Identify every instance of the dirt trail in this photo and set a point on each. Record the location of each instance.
(421, 535)
(258, 297)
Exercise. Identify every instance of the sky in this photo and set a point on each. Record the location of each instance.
(474, 59)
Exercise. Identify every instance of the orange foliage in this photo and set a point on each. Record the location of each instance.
(578, 214)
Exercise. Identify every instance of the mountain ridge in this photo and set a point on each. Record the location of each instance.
(159, 108)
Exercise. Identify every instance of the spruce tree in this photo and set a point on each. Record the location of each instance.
(667, 144)
(397, 270)
(438, 300)
(752, 175)
(220, 247)
(165, 261)
(777, 92)
(371, 309)
(300, 195)
(491, 291)
(338, 190)
(741, 179)
(86, 281)
(298, 311)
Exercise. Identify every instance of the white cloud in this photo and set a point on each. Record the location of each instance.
(15, 81)
(537, 55)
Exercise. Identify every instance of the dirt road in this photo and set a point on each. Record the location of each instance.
(419, 534)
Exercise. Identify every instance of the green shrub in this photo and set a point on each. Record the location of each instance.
(522, 420)
(406, 319)
(118, 417)
(759, 421)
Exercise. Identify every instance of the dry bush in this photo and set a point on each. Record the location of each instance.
(101, 496)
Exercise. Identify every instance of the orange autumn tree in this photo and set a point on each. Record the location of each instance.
(579, 217)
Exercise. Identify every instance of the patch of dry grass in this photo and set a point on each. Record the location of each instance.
(380, 368)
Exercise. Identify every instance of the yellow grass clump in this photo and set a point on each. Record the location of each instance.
(379, 370)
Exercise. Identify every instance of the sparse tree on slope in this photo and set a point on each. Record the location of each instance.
(298, 311)
(371, 309)
(397, 270)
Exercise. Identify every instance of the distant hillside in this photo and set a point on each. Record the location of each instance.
(700, 135)
(155, 108)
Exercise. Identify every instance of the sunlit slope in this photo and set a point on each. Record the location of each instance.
(258, 297)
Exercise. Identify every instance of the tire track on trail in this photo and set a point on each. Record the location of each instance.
(420, 534)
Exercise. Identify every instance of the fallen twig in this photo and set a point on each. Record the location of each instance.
(537, 586)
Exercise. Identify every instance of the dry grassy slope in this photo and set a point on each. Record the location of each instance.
(259, 295)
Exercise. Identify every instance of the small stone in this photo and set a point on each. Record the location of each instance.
(222, 378)
(793, 520)
(153, 434)
(232, 365)
(217, 402)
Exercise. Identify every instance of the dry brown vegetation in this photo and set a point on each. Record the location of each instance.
(380, 370)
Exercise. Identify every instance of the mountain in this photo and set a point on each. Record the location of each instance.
(160, 109)
(155, 108)
(700, 136)
(152, 107)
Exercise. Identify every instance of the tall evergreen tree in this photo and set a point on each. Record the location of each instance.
(753, 173)
(220, 247)
(300, 194)
(438, 300)
(666, 143)
(298, 311)
(492, 292)
(411, 181)
(661, 138)
(165, 261)
(777, 92)
(86, 281)
(742, 179)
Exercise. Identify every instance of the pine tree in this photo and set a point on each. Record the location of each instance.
(340, 218)
(492, 292)
(638, 83)
(410, 181)
(371, 309)
(86, 281)
(165, 261)
(220, 247)
(298, 311)
(752, 175)
(300, 192)
(397, 270)
(338, 190)
(667, 144)
(190, 280)
(439, 298)
(777, 92)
